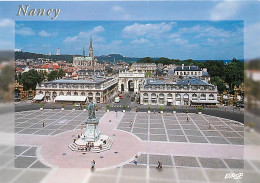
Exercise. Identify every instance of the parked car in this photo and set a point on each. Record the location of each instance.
(117, 100)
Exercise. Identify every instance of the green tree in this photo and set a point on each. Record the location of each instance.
(61, 73)
(146, 60)
(216, 80)
(148, 74)
(30, 79)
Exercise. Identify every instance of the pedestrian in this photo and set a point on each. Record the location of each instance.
(52, 106)
(154, 111)
(116, 113)
(159, 165)
(135, 160)
(93, 163)
(187, 119)
(131, 123)
(43, 125)
(209, 126)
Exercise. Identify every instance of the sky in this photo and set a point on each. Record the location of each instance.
(172, 39)
(235, 19)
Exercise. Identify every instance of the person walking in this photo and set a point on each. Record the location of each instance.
(135, 160)
(116, 113)
(159, 165)
(131, 123)
(43, 125)
(187, 119)
(93, 163)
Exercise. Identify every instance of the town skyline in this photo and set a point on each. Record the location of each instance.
(198, 40)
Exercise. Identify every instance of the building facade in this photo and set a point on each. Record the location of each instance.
(130, 81)
(98, 90)
(182, 92)
(144, 67)
(84, 74)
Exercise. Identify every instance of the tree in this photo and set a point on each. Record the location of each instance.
(148, 74)
(61, 73)
(30, 79)
(146, 60)
(216, 80)
(57, 74)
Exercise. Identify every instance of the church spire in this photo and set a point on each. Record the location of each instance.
(90, 50)
(84, 51)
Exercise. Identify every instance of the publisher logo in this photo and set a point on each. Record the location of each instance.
(234, 176)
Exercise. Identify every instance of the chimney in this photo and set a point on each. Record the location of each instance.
(182, 66)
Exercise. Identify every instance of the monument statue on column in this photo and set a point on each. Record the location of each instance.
(91, 135)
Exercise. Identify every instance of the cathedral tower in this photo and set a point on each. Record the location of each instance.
(90, 50)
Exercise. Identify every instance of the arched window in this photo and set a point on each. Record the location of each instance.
(83, 94)
(61, 93)
(194, 96)
(145, 95)
(211, 97)
(153, 95)
(169, 95)
(186, 96)
(68, 93)
(76, 93)
(161, 95)
(177, 96)
(203, 96)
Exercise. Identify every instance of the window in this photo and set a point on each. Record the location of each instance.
(83, 94)
(211, 97)
(203, 96)
(194, 96)
(178, 96)
(61, 93)
(68, 93)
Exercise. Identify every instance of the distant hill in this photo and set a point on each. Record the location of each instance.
(116, 57)
(69, 58)
(28, 55)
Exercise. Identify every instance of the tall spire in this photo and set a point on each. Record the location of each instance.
(90, 50)
(90, 44)
(84, 51)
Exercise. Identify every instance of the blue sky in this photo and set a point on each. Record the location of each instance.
(223, 10)
(172, 39)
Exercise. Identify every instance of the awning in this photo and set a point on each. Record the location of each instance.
(169, 100)
(71, 98)
(38, 97)
(205, 101)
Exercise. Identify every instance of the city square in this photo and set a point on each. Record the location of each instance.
(205, 153)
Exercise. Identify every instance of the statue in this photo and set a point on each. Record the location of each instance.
(91, 110)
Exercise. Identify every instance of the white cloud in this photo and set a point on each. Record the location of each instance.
(205, 31)
(140, 41)
(44, 33)
(117, 9)
(83, 35)
(148, 30)
(24, 31)
(225, 10)
(6, 23)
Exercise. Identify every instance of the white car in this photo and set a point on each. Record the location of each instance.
(117, 100)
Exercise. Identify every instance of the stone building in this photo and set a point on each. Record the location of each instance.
(181, 92)
(144, 67)
(97, 89)
(130, 81)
